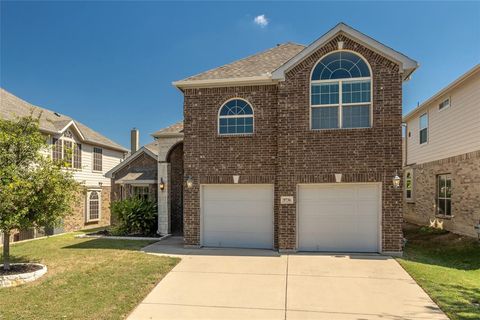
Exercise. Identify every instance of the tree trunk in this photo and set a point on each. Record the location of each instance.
(6, 250)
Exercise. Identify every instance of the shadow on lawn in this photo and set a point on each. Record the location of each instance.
(443, 249)
(132, 245)
(466, 308)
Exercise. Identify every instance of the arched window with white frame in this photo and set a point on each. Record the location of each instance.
(341, 92)
(235, 117)
(93, 205)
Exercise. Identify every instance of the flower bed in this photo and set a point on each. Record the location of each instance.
(21, 273)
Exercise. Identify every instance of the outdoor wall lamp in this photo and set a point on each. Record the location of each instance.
(189, 182)
(162, 184)
(396, 180)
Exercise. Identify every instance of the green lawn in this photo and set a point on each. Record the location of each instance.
(447, 267)
(86, 279)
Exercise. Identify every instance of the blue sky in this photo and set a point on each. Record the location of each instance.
(110, 64)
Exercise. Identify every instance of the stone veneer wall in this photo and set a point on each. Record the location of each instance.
(465, 173)
(283, 150)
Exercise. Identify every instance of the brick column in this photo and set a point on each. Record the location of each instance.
(164, 198)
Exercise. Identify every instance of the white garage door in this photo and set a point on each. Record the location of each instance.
(237, 216)
(339, 217)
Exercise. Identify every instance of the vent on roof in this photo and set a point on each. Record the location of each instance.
(57, 114)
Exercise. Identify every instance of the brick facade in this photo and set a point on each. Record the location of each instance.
(143, 163)
(465, 174)
(283, 150)
(175, 158)
(77, 219)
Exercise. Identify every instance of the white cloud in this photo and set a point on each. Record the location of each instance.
(261, 20)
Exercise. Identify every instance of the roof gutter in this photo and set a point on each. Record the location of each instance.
(242, 81)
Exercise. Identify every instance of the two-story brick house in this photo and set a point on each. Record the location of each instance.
(442, 158)
(295, 148)
(87, 154)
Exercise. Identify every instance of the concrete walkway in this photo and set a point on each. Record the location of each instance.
(261, 284)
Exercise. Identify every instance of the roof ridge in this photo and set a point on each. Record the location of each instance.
(34, 105)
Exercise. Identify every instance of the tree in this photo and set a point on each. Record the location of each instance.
(34, 190)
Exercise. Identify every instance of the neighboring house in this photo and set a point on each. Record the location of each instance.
(138, 175)
(93, 155)
(442, 157)
(295, 148)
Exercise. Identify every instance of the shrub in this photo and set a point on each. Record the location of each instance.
(135, 217)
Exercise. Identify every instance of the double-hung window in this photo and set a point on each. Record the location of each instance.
(444, 194)
(409, 184)
(97, 159)
(141, 192)
(341, 92)
(423, 128)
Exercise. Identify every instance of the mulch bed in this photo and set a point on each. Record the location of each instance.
(19, 268)
(107, 232)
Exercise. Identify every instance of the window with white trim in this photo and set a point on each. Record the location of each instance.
(409, 184)
(444, 104)
(341, 92)
(141, 192)
(67, 151)
(93, 205)
(97, 159)
(423, 125)
(444, 194)
(235, 117)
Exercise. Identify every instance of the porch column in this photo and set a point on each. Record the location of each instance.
(164, 198)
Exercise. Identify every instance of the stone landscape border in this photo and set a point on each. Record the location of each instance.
(13, 280)
(97, 236)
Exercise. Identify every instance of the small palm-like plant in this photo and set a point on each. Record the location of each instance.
(135, 216)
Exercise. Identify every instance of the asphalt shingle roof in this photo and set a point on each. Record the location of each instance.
(174, 128)
(259, 64)
(12, 107)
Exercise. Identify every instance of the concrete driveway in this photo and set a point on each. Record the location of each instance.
(258, 284)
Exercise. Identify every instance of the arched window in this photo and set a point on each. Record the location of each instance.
(93, 206)
(341, 90)
(235, 117)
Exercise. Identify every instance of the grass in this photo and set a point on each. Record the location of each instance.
(86, 279)
(447, 267)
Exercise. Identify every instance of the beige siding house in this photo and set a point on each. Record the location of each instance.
(93, 156)
(442, 158)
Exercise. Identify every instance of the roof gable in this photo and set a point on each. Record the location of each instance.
(407, 65)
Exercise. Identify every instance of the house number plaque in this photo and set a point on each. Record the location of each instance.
(286, 200)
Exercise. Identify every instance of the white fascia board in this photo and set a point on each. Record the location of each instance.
(74, 125)
(242, 81)
(407, 65)
(136, 182)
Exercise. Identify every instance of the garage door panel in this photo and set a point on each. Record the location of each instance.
(340, 217)
(237, 216)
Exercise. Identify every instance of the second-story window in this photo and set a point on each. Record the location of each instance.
(68, 152)
(423, 125)
(235, 117)
(341, 91)
(97, 159)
